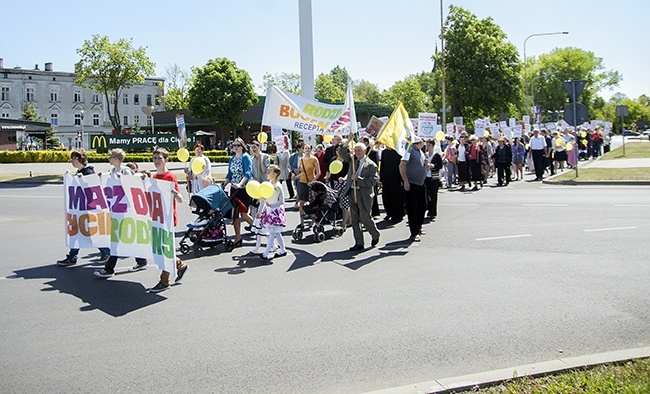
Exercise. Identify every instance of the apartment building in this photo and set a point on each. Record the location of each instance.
(72, 109)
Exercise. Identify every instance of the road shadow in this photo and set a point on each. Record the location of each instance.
(245, 262)
(111, 296)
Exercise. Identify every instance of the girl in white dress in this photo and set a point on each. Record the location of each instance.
(272, 215)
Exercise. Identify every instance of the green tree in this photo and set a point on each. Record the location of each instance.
(482, 69)
(289, 82)
(108, 68)
(366, 92)
(340, 77)
(30, 112)
(176, 86)
(221, 92)
(430, 84)
(325, 89)
(564, 64)
(409, 92)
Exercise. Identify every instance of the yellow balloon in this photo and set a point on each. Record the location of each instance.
(584, 142)
(527, 146)
(486, 133)
(197, 165)
(327, 138)
(262, 137)
(266, 189)
(583, 134)
(336, 167)
(183, 154)
(253, 189)
(569, 147)
(559, 142)
(440, 136)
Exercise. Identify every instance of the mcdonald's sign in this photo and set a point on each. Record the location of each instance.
(98, 142)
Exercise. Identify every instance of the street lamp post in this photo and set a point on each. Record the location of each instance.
(152, 122)
(82, 130)
(525, 64)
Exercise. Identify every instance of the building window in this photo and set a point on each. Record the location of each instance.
(30, 94)
(136, 99)
(125, 99)
(77, 96)
(95, 119)
(126, 120)
(5, 93)
(77, 119)
(149, 120)
(148, 100)
(157, 100)
(95, 97)
(112, 100)
(54, 119)
(136, 119)
(5, 114)
(54, 96)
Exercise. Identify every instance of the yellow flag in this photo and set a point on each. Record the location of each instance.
(398, 131)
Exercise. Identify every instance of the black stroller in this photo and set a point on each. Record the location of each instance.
(209, 229)
(323, 208)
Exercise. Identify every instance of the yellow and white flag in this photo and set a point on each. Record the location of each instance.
(398, 132)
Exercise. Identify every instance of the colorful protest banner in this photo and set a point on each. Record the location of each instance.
(182, 135)
(87, 216)
(288, 111)
(132, 216)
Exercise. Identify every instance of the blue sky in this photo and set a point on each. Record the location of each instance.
(377, 40)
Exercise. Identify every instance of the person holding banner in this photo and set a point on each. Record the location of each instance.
(79, 160)
(116, 158)
(240, 171)
(359, 186)
(160, 159)
(196, 178)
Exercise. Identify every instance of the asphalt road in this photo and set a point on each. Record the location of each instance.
(506, 276)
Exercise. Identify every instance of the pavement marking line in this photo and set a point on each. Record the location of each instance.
(544, 205)
(505, 237)
(46, 197)
(461, 205)
(609, 229)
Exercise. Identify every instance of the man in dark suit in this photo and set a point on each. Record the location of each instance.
(362, 178)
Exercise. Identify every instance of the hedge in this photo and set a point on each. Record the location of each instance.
(47, 156)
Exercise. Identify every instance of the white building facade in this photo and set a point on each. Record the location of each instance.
(72, 109)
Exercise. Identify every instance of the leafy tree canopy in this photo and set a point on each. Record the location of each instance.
(326, 90)
(108, 68)
(409, 92)
(289, 82)
(366, 92)
(564, 64)
(221, 92)
(482, 69)
(176, 86)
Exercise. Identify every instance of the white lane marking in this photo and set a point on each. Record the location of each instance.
(632, 205)
(505, 237)
(609, 229)
(17, 196)
(544, 205)
(461, 205)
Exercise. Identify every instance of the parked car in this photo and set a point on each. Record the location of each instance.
(630, 133)
(646, 133)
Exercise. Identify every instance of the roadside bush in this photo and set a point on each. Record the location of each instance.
(41, 156)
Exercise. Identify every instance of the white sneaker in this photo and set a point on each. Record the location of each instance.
(138, 267)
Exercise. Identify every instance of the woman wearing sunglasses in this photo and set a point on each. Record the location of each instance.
(239, 173)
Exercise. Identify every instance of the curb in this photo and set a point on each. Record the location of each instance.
(596, 183)
(482, 379)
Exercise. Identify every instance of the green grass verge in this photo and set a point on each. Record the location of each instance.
(634, 150)
(627, 377)
(606, 174)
